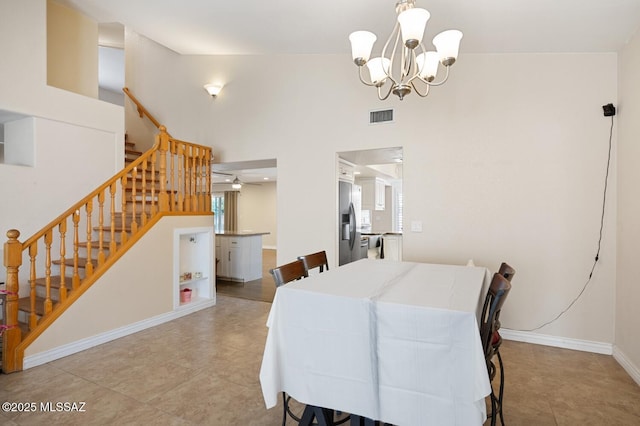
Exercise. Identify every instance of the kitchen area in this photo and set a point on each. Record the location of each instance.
(370, 204)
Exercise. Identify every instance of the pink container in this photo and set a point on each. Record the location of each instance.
(185, 295)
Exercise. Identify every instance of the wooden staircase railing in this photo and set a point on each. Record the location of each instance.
(173, 177)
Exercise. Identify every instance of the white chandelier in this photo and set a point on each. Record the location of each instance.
(403, 68)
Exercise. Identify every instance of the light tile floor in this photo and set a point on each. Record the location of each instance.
(202, 369)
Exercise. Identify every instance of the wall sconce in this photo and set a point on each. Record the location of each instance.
(213, 89)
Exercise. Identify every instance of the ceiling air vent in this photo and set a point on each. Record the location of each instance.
(382, 116)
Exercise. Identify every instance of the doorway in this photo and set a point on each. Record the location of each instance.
(374, 178)
(244, 201)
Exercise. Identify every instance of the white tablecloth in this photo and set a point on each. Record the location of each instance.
(391, 341)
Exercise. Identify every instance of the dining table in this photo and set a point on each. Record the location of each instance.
(390, 341)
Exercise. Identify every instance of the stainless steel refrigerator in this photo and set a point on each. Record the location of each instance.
(349, 207)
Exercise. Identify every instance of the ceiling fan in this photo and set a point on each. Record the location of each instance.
(236, 183)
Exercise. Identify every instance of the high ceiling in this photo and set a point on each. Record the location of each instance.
(323, 27)
(210, 27)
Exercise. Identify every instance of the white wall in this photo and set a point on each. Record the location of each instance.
(628, 290)
(116, 299)
(257, 211)
(78, 141)
(72, 50)
(506, 162)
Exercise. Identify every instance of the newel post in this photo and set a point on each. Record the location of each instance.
(163, 197)
(12, 335)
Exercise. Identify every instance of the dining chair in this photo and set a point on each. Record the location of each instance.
(494, 300)
(283, 274)
(289, 272)
(506, 271)
(315, 260)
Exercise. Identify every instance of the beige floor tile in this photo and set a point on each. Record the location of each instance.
(203, 369)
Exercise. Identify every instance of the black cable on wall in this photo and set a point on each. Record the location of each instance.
(609, 111)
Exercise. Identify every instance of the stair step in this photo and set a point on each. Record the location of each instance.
(55, 282)
(107, 230)
(129, 144)
(95, 244)
(24, 305)
(69, 262)
(149, 178)
(128, 151)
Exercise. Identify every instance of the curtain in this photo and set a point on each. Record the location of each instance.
(231, 210)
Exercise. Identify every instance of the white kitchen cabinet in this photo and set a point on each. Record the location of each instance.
(193, 266)
(373, 193)
(345, 171)
(392, 245)
(239, 256)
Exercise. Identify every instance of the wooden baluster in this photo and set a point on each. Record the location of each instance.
(123, 215)
(75, 280)
(143, 212)
(201, 178)
(101, 255)
(48, 304)
(180, 187)
(172, 176)
(134, 216)
(62, 291)
(163, 197)
(33, 252)
(13, 335)
(197, 177)
(209, 160)
(194, 172)
(88, 267)
(203, 181)
(112, 243)
(154, 206)
(185, 177)
(191, 165)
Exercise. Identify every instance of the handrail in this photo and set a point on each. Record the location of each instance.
(173, 176)
(141, 109)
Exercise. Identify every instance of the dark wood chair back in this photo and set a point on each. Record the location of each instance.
(315, 260)
(506, 271)
(493, 302)
(289, 272)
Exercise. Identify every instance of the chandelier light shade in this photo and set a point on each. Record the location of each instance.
(361, 45)
(404, 63)
(412, 24)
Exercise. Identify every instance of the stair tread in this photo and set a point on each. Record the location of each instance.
(107, 229)
(69, 262)
(55, 281)
(132, 151)
(95, 244)
(24, 305)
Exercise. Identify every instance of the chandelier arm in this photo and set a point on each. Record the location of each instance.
(440, 83)
(389, 72)
(386, 45)
(408, 63)
(362, 79)
(422, 95)
(391, 86)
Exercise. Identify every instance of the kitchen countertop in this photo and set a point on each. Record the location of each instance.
(241, 233)
(380, 233)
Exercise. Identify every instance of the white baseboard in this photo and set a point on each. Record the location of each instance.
(89, 342)
(628, 366)
(559, 342)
